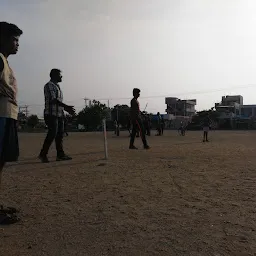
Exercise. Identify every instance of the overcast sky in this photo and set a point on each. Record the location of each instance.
(199, 49)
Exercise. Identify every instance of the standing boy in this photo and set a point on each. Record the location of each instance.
(137, 121)
(159, 122)
(162, 125)
(206, 128)
(9, 146)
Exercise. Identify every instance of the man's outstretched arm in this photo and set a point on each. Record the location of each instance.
(49, 92)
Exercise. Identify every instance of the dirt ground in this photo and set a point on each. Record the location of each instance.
(182, 197)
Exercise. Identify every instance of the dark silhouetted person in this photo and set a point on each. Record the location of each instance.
(162, 125)
(137, 121)
(159, 121)
(206, 128)
(54, 117)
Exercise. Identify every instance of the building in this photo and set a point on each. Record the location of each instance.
(230, 106)
(231, 99)
(247, 111)
(233, 111)
(179, 111)
(178, 107)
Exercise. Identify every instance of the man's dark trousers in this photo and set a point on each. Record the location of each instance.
(55, 131)
(137, 124)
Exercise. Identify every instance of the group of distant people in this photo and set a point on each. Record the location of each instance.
(141, 123)
(160, 125)
(145, 121)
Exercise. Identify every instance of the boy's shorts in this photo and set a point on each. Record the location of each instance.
(9, 144)
(206, 128)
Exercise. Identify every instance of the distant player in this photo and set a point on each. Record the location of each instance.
(206, 128)
(115, 125)
(162, 125)
(159, 124)
(137, 121)
(147, 125)
(182, 129)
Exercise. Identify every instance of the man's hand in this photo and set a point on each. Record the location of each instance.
(70, 109)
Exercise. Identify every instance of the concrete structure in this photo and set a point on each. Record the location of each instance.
(248, 111)
(229, 107)
(178, 107)
(231, 99)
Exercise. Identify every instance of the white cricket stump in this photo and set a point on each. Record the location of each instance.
(105, 139)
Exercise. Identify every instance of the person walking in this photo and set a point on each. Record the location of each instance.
(137, 121)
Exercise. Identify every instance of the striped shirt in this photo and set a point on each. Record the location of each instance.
(52, 91)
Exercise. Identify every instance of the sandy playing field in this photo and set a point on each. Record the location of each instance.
(183, 197)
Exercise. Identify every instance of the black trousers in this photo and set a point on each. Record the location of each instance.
(55, 132)
(9, 144)
(162, 129)
(138, 125)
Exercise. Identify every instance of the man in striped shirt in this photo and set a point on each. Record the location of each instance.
(54, 117)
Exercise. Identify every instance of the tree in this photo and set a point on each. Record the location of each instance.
(91, 117)
(32, 121)
(200, 115)
(121, 113)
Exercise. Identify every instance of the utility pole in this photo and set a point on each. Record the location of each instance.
(85, 101)
(117, 120)
(24, 110)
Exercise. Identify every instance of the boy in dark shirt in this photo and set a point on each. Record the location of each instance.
(162, 125)
(159, 124)
(136, 120)
(206, 128)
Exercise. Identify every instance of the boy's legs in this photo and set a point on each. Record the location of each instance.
(1, 173)
(9, 152)
(59, 141)
(206, 136)
(133, 134)
(142, 133)
(52, 124)
(59, 137)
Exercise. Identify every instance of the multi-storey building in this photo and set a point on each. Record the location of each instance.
(229, 106)
(178, 107)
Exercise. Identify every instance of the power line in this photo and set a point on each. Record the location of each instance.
(162, 96)
(185, 93)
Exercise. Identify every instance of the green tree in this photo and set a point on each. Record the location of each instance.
(199, 117)
(32, 121)
(121, 113)
(91, 117)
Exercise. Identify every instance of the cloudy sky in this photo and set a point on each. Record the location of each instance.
(199, 49)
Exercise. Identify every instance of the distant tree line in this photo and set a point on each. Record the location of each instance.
(91, 118)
